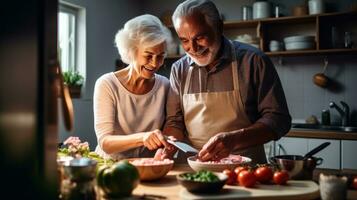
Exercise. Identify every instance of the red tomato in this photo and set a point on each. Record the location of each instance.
(354, 183)
(247, 178)
(264, 174)
(231, 177)
(281, 177)
(238, 169)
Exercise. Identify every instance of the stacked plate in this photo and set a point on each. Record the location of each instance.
(299, 42)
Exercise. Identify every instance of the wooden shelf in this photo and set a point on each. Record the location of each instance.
(312, 52)
(240, 23)
(320, 26)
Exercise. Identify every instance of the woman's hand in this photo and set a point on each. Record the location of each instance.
(154, 139)
(218, 146)
(166, 152)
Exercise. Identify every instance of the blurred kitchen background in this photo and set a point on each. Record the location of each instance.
(104, 18)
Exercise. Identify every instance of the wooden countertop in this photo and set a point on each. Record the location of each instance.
(322, 134)
(168, 188)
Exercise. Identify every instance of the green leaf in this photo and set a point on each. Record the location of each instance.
(72, 78)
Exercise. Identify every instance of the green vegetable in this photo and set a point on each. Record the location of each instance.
(118, 180)
(201, 176)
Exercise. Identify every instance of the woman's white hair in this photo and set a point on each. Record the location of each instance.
(142, 31)
(206, 7)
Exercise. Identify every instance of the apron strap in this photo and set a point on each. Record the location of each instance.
(234, 69)
(188, 80)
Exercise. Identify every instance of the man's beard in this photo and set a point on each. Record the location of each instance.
(207, 59)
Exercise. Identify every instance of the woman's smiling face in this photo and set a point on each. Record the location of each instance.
(149, 60)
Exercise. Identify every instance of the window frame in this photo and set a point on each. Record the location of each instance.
(65, 8)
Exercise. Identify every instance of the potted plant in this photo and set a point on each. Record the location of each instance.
(74, 81)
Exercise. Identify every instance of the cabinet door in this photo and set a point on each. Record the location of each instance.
(349, 149)
(330, 155)
(269, 149)
(291, 146)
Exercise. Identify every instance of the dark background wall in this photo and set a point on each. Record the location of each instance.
(104, 18)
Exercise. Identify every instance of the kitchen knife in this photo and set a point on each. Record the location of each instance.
(183, 146)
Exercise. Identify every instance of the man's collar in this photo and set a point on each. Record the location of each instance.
(225, 55)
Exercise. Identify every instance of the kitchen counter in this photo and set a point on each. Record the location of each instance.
(322, 134)
(168, 188)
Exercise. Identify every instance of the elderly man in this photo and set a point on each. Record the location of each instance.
(226, 96)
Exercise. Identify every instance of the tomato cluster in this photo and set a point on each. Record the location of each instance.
(248, 176)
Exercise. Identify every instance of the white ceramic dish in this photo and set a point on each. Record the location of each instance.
(299, 38)
(299, 45)
(215, 167)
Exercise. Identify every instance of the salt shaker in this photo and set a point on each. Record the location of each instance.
(277, 11)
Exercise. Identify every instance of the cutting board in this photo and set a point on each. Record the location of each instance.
(294, 190)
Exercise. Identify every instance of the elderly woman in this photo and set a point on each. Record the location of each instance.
(129, 104)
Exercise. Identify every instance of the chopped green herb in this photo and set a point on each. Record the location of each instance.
(201, 176)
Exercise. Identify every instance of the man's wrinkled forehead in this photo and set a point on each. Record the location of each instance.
(192, 18)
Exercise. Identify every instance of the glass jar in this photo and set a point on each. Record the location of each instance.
(348, 40)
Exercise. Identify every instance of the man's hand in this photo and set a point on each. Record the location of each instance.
(154, 139)
(218, 146)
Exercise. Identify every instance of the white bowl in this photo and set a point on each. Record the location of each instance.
(215, 167)
(299, 45)
(299, 38)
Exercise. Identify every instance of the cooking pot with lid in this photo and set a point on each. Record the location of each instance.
(298, 167)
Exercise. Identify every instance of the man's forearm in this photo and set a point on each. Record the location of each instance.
(253, 135)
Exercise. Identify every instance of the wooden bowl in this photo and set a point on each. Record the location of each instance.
(149, 169)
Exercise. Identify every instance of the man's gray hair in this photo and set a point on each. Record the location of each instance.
(142, 31)
(206, 7)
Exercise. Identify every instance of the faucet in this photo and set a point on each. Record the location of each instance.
(344, 112)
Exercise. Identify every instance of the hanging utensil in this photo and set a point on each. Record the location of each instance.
(316, 150)
(320, 79)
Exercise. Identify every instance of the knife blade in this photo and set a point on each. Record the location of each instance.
(183, 146)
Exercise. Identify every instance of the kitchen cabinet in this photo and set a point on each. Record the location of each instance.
(331, 154)
(348, 157)
(291, 146)
(300, 146)
(269, 148)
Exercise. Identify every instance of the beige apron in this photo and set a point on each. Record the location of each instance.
(209, 113)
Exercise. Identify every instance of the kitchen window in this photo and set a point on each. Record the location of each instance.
(67, 37)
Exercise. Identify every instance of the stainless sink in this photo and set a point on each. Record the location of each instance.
(324, 127)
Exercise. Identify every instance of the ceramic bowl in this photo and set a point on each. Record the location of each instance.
(299, 45)
(202, 187)
(197, 165)
(300, 38)
(150, 169)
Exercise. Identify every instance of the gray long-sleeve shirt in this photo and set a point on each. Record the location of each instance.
(261, 91)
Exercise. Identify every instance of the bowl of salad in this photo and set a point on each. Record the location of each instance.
(230, 162)
(202, 181)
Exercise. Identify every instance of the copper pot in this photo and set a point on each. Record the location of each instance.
(320, 79)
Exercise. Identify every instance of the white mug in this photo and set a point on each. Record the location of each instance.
(316, 7)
